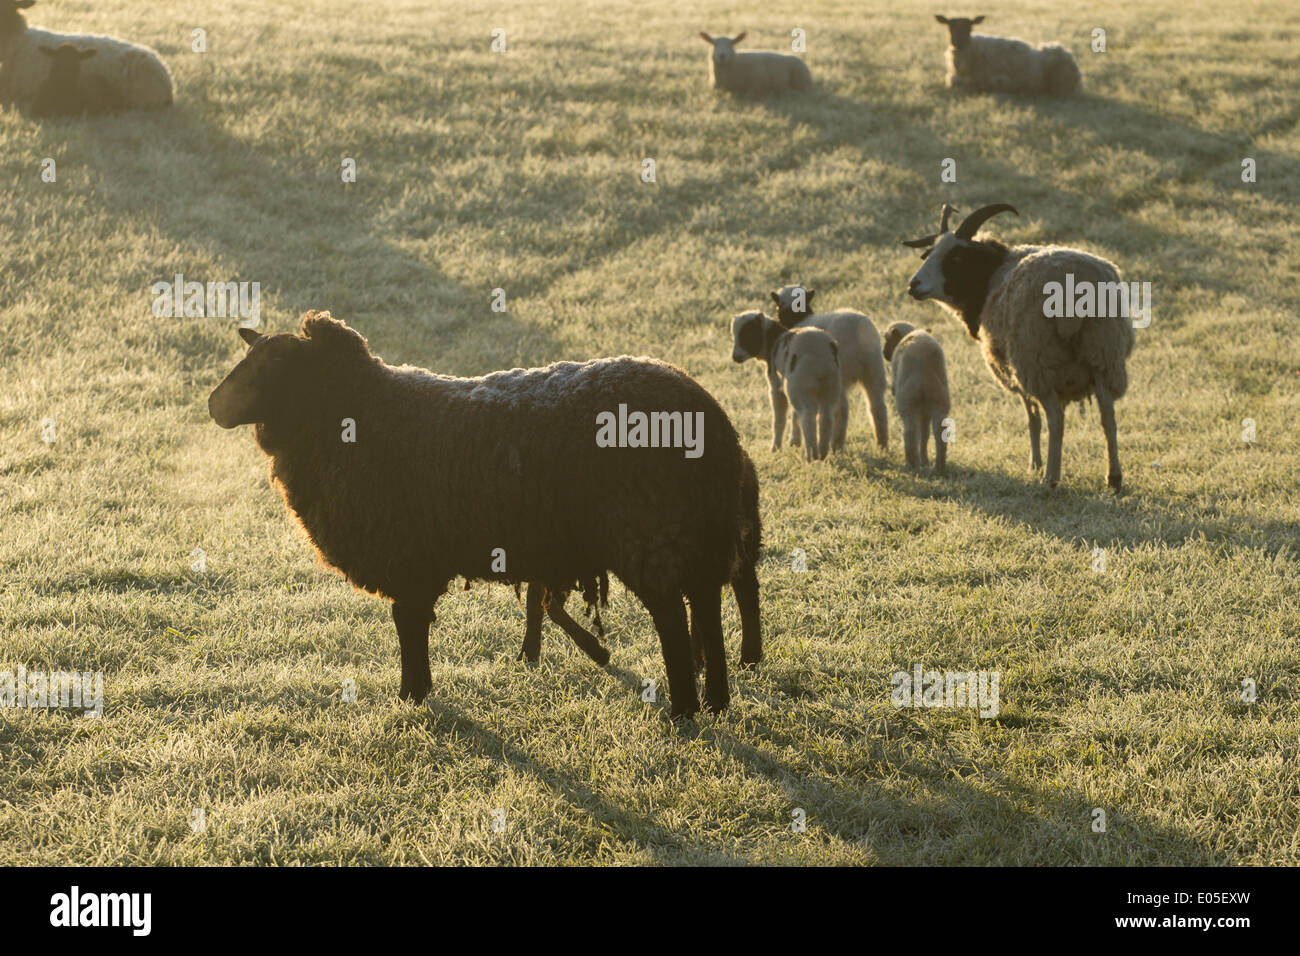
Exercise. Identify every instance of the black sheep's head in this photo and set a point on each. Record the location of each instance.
(283, 375)
(959, 29)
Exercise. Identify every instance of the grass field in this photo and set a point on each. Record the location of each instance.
(1120, 690)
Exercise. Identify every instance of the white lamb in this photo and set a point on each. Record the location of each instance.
(1006, 65)
(756, 71)
(861, 361)
(135, 74)
(920, 391)
(803, 371)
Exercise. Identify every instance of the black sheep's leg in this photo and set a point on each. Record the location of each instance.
(745, 586)
(581, 636)
(706, 617)
(412, 620)
(674, 638)
(532, 649)
(697, 646)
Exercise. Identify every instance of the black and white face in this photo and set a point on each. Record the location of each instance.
(941, 260)
(747, 336)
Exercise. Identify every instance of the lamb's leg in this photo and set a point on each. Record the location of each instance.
(532, 649)
(1035, 431)
(1106, 405)
(745, 587)
(706, 616)
(940, 446)
(923, 438)
(412, 621)
(780, 406)
(808, 425)
(876, 401)
(910, 439)
(825, 426)
(796, 431)
(669, 615)
(1055, 413)
(841, 423)
(581, 636)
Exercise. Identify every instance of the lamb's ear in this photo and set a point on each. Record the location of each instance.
(323, 329)
(740, 36)
(705, 37)
(943, 20)
(979, 19)
(87, 54)
(808, 294)
(249, 335)
(775, 298)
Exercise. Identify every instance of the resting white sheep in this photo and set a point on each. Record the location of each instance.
(1000, 293)
(861, 361)
(755, 71)
(1006, 65)
(136, 75)
(803, 371)
(920, 391)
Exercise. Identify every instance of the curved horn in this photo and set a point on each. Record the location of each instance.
(971, 223)
(943, 219)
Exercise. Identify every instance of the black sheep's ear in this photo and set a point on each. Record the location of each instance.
(249, 335)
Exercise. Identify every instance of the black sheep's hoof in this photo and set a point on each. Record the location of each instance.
(601, 657)
(1116, 482)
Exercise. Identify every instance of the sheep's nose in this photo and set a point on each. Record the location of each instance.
(912, 288)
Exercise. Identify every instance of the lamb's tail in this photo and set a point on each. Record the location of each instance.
(1061, 76)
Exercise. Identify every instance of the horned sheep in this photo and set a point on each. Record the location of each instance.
(861, 361)
(445, 472)
(992, 64)
(803, 373)
(920, 378)
(754, 71)
(1000, 294)
(133, 76)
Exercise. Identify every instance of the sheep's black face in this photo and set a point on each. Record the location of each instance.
(262, 384)
(959, 29)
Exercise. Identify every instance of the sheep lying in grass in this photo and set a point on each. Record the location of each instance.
(595, 594)
(1000, 293)
(135, 75)
(440, 474)
(803, 371)
(754, 71)
(861, 362)
(920, 391)
(991, 64)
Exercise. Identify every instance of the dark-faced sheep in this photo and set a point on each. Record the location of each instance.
(861, 362)
(991, 64)
(444, 472)
(756, 72)
(1000, 294)
(920, 383)
(61, 95)
(126, 75)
